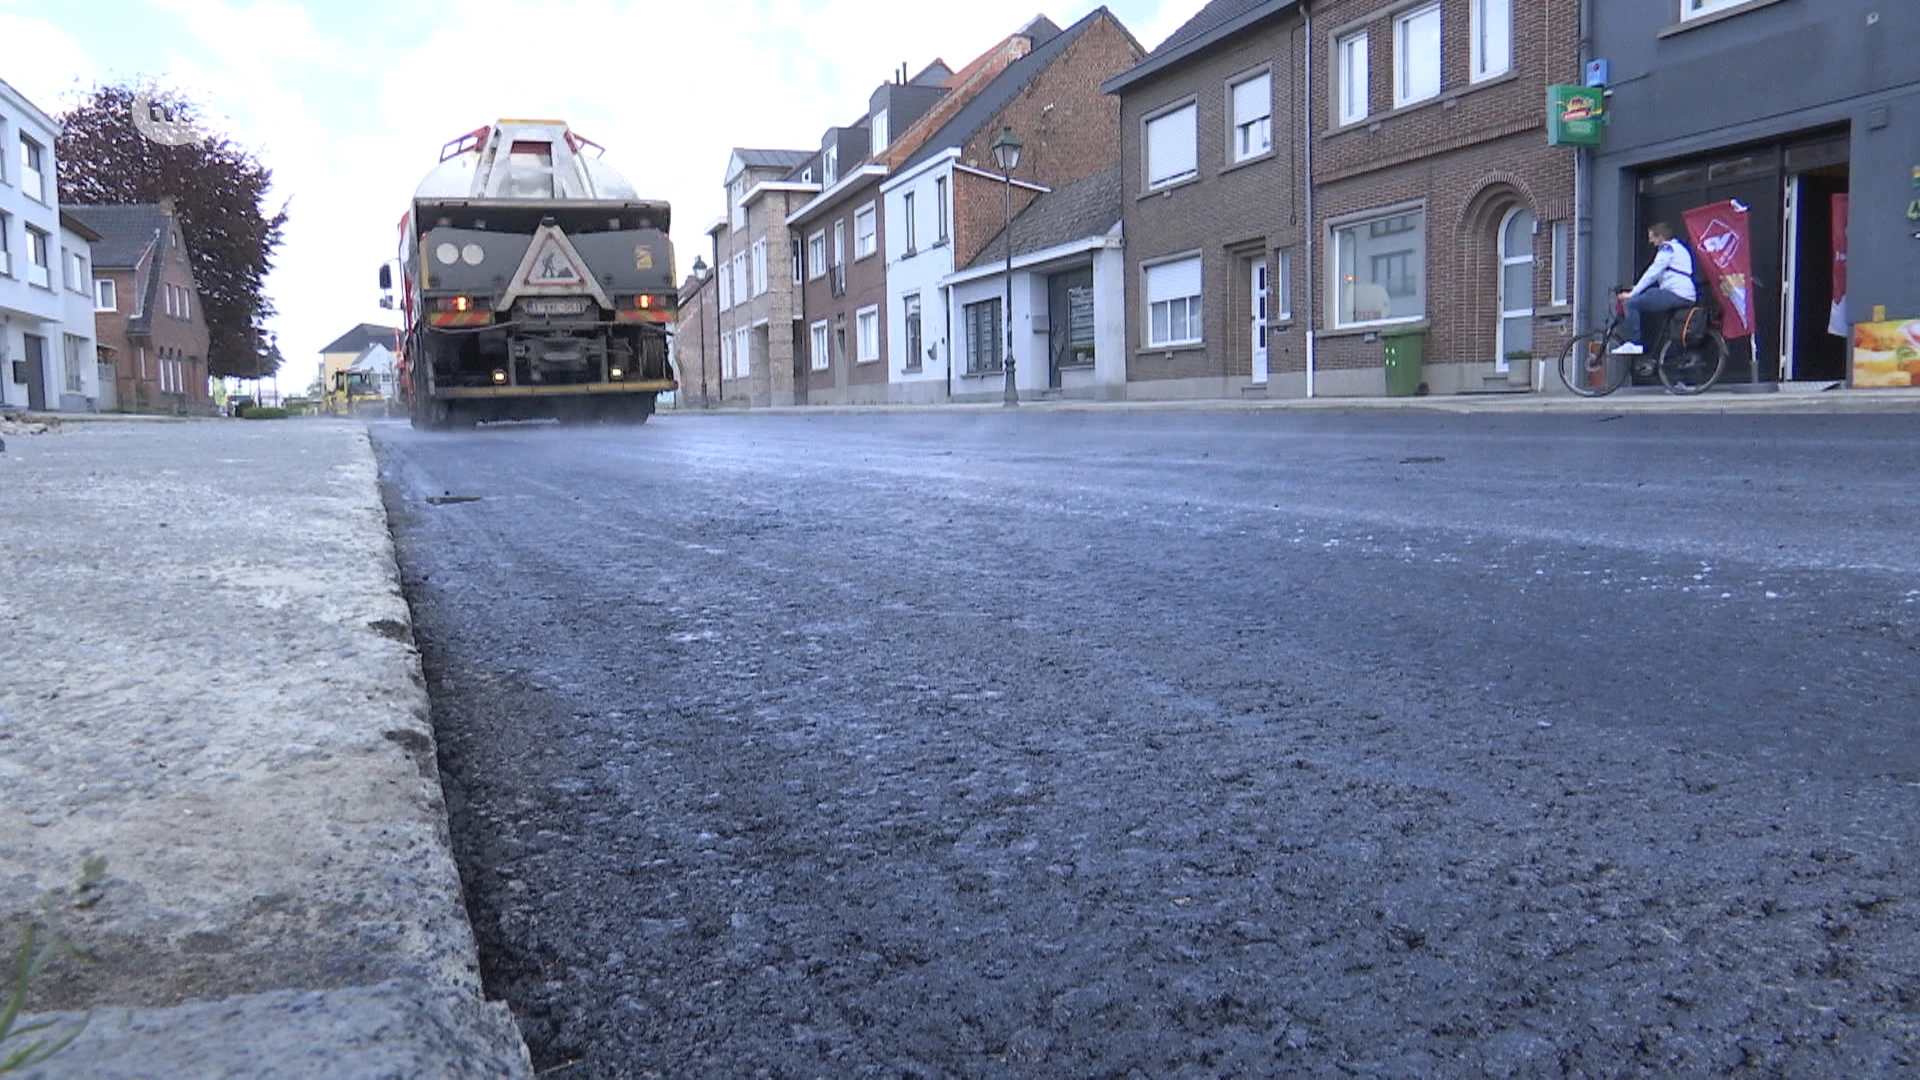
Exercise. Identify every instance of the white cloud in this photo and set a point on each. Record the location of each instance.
(43, 62)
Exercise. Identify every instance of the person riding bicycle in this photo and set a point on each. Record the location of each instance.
(1666, 286)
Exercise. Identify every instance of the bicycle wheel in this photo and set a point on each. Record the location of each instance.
(1690, 370)
(1588, 366)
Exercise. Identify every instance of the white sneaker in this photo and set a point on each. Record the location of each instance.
(1629, 349)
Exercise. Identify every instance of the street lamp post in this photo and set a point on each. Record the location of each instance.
(1006, 151)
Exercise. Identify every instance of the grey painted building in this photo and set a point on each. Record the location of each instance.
(1782, 105)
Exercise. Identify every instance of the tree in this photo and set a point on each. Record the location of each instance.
(123, 145)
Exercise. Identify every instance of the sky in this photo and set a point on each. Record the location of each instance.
(349, 101)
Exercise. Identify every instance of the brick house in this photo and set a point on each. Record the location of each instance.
(1438, 207)
(838, 238)
(148, 314)
(1213, 206)
(46, 315)
(760, 344)
(947, 199)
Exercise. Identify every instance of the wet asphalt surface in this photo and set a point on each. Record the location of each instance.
(1137, 744)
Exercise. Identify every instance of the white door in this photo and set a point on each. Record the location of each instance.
(1787, 328)
(1258, 291)
(1516, 293)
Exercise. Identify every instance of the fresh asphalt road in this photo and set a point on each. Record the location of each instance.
(1144, 744)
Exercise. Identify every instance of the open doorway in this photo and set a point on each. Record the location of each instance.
(1816, 204)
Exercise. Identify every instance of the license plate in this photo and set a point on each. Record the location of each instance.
(556, 307)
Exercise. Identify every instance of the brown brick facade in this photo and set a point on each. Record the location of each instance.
(847, 379)
(1230, 213)
(1465, 158)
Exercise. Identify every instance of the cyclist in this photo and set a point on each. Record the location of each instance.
(1666, 286)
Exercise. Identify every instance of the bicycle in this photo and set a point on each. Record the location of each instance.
(1589, 367)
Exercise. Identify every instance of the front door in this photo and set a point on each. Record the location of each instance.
(36, 373)
(1070, 321)
(1257, 288)
(1515, 355)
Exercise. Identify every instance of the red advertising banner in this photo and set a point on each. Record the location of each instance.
(1720, 240)
(1837, 321)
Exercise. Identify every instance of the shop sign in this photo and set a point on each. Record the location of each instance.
(1576, 115)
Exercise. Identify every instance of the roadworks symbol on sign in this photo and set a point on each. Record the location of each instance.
(554, 263)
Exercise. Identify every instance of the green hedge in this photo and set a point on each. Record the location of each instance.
(256, 412)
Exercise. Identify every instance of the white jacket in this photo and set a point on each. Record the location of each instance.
(1672, 270)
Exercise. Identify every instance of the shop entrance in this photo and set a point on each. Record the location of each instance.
(1788, 189)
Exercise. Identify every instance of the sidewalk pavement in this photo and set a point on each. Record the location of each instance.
(217, 770)
(1787, 398)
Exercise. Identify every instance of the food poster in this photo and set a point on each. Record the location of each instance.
(1886, 354)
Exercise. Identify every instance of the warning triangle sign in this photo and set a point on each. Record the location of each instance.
(554, 263)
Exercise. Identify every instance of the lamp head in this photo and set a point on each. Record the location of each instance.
(1006, 150)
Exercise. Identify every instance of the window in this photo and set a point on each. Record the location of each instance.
(33, 158)
(911, 307)
(1492, 38)
(726, 357)
(104, 296)
(1516, 287)
(816, 256)
(75, 356)
(760, 282)
(742, 354)
(879, 131)
(1252, 117)
(940, 209)
(1562, 261)
(737, 203)
(906, 214)
(1170, 147)
(1351, 54)
(740, 277)
(983, 337)
(6, 256)
(865, 240)
(867, 328)
(1416, 56)
(77, 276)
(1173, 302)
(39, 269)
(830, 166)
(817, 356)
(1282, 285)
(726, 288)
(1380, 269)
(1693, 9)
(798, 270)
(839, 241)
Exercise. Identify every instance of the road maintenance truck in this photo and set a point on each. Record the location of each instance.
(535, 282)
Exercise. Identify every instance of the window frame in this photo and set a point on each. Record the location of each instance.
(913, 229)
(33, 168)
(1190, 108)
(819, 347)
(866, 243)
(1344, 81)
(39, 257)
(1280, 288)
(759, 285)
(1700, 9)
(978, 362)
(878, 132)
(1481, 70)
(864, 319)
(1235, 125)
(816, 255)
(1193, 305)
(1364, 220)
(1560, 289)
(111, 294)
(1403, 54)
(940, 189)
